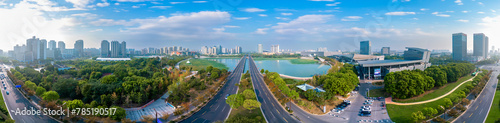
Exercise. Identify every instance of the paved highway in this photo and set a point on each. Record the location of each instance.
(478, 110)
(217, 109)
(15, 100)
(271, 109)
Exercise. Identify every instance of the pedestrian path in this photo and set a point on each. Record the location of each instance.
(389, 99)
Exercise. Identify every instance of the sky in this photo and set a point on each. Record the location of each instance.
(293, 24)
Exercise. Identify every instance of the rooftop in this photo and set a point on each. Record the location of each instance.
(386, 62)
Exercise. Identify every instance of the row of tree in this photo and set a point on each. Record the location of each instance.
(407, 84)
(338, 83)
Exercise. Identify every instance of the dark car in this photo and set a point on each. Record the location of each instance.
(364, 115)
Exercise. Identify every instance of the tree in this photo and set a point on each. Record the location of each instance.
(249, 94)
(74, 104)
(251, 104)
(50, 96)
(262, 71)
(429, 111)
(109, 79)
(438, 75)
(30, 85)
(235, 100)
(119, 114)
(40, 91)
(447, 103)
(417, 116)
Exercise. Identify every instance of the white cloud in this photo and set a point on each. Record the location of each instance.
(465, 11)
(132, 0)
(88, 16)
(263, 15)
(241, 18)
(177, 2)
(424, 9)
(286, 14)
(96, 30)
(493, 10)
(333, 4)
(103, 4)
(135, 7)
(415, 18)
(292, 10)
(351, 18)
(303, 24)
(200, 1)
(116, 4)
(399, 13)
(231, 26)
(459, 2)
(480, 3)
(462, 20)
(261, 31)
(80, 3)
(253, 10)
(111, 22)
(450, 11)
(480, 12)
(161, 7)
(440, 14)
(282, 18)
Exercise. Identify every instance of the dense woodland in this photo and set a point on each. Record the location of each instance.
(100, 84)
(407, 84)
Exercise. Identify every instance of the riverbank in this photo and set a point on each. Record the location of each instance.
(297, 78)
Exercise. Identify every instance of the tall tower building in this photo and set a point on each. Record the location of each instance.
(104, 49)
(365, 48)
(62, 46)
(115, 49)
(259, 48)
(459, 46)
(43, 49)
(78, 49)
(52, 45)
(123, 47)
(479, 45)
(486, 50)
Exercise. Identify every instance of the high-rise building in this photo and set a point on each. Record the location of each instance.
(78, 48)
(459, 46)
(52, 45)
(115, 49)
(105, 49)
(486, 50)
(43, 49)
(259, 48)
(275, 48)
(385, 51)
(204, 50)
(365, 47)
(479, 45)
(62, 46)
(238, 50)
(123, 47)
(151, 50)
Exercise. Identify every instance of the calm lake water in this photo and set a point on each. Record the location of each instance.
(282, 67)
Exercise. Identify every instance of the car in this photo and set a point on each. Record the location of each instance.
(7, 92)
(370, 100)
(364, 115)
(366, 107)
(347, 101)
(337, 111)
(367, 103)
(227, 96)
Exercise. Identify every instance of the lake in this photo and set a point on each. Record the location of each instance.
(282, 67)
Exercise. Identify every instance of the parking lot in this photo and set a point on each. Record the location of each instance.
(352, 111)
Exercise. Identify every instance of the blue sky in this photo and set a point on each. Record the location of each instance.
(293, 24)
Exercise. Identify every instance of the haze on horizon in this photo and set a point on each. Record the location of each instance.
(296, 25)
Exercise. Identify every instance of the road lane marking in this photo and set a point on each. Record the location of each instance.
(476, 107)
(204, 113)
(470, 115)
(194, 120)
(481, 100)
(285, 119)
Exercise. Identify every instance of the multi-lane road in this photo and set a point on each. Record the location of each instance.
(15, 100)
(478, 110)
(217, 109)
(271, 109)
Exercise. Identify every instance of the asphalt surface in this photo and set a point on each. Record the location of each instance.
(15, 100)
(217, 109)
(478, 110)
(271, 109)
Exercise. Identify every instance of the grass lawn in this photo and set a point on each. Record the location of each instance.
(436, 93)
(303, 61)
(377, 93)
(402, 113)
(198, 64)
(495, 109)
(2, 105)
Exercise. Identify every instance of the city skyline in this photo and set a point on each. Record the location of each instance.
(337, 25)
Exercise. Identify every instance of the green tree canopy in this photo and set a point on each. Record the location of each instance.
(251, 104)
(249, 94)
(235, 100)
(50, 96)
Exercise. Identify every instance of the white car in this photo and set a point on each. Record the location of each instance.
(369, 101)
